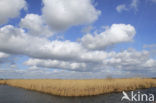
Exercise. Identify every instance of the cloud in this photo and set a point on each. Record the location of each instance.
(42, 48)
(63, 14)
(133, 5)
(117, 33)
(19, 42)
(3, 55)
(3, 58)
(40, 72)
(10, 9)
(56, 64)
(131, 60)
(151, 48)
(77, 56)
(36, 25)
(34, 72)
(16, 41)
(128, 60)
(121, 8)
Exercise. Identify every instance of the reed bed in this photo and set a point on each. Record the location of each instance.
(2, 82)
(82, 87)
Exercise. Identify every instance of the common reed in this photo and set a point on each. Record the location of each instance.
(2, 82)
(82, 87)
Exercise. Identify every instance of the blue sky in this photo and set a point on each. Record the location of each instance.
(77, 39)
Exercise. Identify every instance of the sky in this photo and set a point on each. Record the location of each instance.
(77, 39)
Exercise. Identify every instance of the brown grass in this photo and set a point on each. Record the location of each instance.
(2, 82)
(82, 87)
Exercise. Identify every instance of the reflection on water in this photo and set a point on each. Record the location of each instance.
(18, 95)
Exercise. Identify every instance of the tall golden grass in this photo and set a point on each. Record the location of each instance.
(2, 82)
(82, 87)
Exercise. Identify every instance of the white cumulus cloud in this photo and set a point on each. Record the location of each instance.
(10, 9)
(61, 14)
(36, 25)
(16, 41)
(117, 33)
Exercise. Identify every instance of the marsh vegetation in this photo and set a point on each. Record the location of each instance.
(81, 87)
